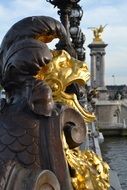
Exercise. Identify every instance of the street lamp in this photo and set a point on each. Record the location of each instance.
(70, 15)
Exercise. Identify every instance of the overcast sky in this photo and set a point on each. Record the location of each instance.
(96, 12)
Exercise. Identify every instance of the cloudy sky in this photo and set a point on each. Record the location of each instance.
(96, 12)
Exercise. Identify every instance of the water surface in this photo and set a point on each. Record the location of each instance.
(114, 151)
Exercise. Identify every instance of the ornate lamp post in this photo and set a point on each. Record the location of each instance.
(70, 15)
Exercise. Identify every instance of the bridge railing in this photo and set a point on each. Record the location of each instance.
(109, 125)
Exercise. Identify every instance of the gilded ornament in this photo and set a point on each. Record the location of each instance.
(62, 71)
(89, 170)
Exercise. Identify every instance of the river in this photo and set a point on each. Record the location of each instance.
(114, 151)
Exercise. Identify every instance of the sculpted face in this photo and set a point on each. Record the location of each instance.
(61, 72)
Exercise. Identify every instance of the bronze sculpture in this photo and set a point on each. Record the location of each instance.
(32, 125)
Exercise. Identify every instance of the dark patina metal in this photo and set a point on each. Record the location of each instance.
(31, 123)
(70, 15)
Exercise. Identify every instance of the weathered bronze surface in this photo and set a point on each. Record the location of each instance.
(25, 125)
(32, 125)
(30, 122)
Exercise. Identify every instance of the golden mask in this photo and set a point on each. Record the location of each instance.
(62, 71)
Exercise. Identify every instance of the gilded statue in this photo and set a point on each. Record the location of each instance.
(97, 32)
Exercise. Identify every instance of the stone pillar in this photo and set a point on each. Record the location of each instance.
(93, 70)
(97, 53)
(103, 70)
(97, 64)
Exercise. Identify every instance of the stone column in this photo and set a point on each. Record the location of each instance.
(97, 64)
(93, 70)
(103, 70)
(97, 53)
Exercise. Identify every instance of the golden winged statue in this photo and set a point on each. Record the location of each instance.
(97, 32)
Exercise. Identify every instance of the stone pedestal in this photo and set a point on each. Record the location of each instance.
(108, 114)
